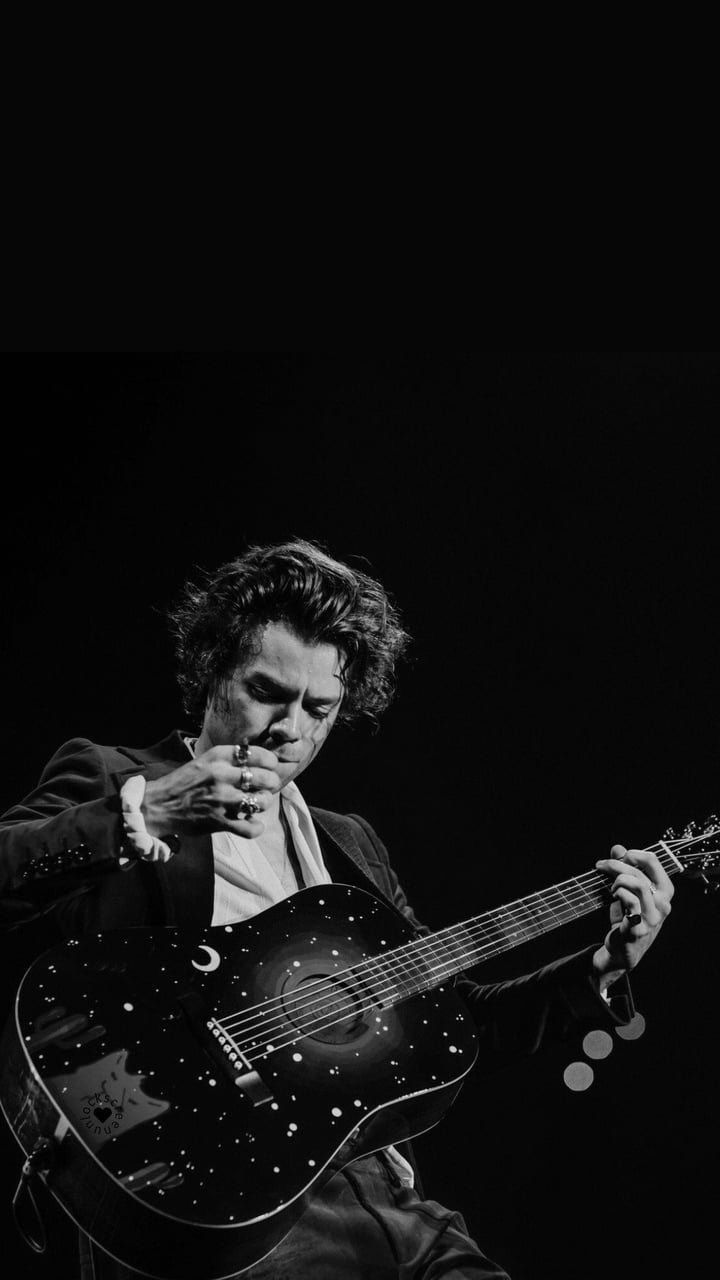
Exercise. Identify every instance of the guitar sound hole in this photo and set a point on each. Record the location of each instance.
(335, 1017)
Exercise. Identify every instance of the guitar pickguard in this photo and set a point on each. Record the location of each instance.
(103, 1100)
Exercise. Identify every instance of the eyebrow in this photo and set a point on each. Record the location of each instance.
(287, 691)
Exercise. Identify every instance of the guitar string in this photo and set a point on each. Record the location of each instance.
(407, 950)
(416, 953)
(389, 968)
(390, 995)
(382, 965)
(386, 988)
(355, 1010)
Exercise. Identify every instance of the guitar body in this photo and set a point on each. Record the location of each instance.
(197, 1087)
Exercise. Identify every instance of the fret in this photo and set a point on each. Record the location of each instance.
(497, 931)
(426, 962)
(456, 944)
(568, 899)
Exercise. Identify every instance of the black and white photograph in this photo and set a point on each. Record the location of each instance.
(360, 834)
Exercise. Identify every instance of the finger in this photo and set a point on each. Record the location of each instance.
(653, 903)
(228, 796)
(261, 758)
(246, 778)
(617, 911)
(617, 866)
(243, 776)
(255, 779)
(643, 895)
(258, 757)
(632, 913)
(219, 762)
(628, 902)
(622, 867)
(648, 861)
(653, 869)
(226, 753)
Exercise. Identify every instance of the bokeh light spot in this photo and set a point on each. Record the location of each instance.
(597, 1044)
(633, 1030)
(578, 1076)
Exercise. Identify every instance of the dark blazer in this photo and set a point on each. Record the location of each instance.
(60, 873)
(60, 858)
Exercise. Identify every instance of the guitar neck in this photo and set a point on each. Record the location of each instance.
(429, 961)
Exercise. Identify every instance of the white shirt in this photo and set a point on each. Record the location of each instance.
(246, 882)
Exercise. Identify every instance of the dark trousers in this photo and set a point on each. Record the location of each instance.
(363, 1226)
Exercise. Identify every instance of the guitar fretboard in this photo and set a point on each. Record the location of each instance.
(427, 962)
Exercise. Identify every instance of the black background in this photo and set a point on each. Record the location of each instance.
(548, 523)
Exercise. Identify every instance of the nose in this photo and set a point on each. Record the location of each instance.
(287, 728)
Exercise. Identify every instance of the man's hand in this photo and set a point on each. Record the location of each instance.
(203, 795)
(642, 891)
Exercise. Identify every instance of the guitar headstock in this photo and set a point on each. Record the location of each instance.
(696, 851)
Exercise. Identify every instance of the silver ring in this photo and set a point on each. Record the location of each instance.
(249, 807)
(241, 754)
(246, 779)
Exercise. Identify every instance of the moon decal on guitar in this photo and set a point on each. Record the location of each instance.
(213, 960)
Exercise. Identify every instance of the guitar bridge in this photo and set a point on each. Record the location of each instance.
(224, 1050)
(244, 1076)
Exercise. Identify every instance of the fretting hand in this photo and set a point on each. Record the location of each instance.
(642, 891)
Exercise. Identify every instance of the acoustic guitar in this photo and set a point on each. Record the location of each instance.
(182, 1094)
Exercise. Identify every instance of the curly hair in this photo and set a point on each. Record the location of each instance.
(218, 626)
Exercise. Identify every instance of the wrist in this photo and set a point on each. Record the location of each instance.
(152, 813)
(144, 843)
(606, 969)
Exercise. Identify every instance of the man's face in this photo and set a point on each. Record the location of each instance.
(285, 699)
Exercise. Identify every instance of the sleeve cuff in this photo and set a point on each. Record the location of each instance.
(580, 986)
(618, 999)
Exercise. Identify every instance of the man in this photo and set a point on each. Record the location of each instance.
(275, 649)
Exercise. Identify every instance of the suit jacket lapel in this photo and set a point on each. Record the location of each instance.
(341, 850)
(186, 882)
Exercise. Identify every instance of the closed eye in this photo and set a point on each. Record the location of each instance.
(265, 693)
(319, 713)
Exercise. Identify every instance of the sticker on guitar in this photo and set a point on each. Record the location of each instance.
(102, 1099)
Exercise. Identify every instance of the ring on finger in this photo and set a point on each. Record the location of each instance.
(241, 754)
(246, 779)
(249, 807)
